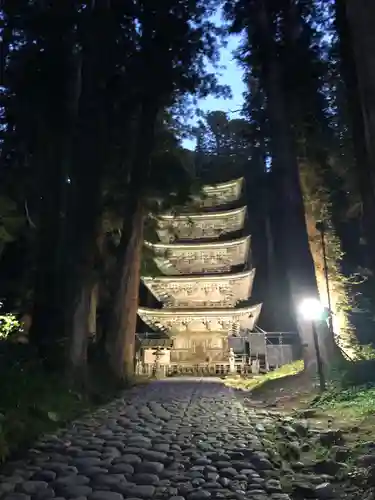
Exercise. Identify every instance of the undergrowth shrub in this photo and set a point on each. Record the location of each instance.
(33, 402)
(9, 324)
(360, 371)
(358, 401)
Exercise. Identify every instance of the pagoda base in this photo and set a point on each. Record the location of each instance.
(196, 348)
(208, 354)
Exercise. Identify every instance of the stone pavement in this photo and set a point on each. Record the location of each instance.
(174, 439)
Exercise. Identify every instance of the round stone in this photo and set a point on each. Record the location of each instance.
(203, 461)
(59, 468)
(105, 495)
(122, 468)
(145, 479)
(77, 480)
(164, 447)
(95, 471)
(142, 491)
(151, 467)
(212, 476)
(87, 462)
(44, 475)
(228, 472)
(6, 488)
(108, 480)
(199, 495)
(32, 487)
(324, 491)
(16, 496)
(154, 456)
(75, 491)
(44, 494)
(130, 459)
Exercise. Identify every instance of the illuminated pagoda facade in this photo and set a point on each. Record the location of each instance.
(206, 283)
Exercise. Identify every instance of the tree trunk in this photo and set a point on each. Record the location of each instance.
(45, 332)
(296, 250)
(361, 19)
(121, 339)
(77, 371)
(284, 313)
(80, 269)
(91, 153)
(53, 160)
(94, 296)
(354, 23)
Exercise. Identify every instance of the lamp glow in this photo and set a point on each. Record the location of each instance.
(311, 309)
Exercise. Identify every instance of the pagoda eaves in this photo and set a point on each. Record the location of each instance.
(200, 226)
(197, 258)
(222, 193)
(215, 291)
(200, 321)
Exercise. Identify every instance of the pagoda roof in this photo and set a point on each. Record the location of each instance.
(200, 226)
(202, 291)
(196, 258)
(200, 320)
(221, 193)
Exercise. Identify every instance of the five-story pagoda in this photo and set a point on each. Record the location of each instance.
(207, 274)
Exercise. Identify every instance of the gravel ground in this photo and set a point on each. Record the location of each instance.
(187, 439)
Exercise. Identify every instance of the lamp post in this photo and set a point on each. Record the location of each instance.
(321, 227)
(312, 310)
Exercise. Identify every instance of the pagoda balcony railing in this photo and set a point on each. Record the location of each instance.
(202, 369)
(180, 304)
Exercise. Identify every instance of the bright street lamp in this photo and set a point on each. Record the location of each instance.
(312, 310)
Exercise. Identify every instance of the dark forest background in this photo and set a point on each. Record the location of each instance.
(96, 99)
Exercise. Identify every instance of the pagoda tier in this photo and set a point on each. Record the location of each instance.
(222, 291)
(198, 258)
(174, 321)
(220, 194)
(200, 226)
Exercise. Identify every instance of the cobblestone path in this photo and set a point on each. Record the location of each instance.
(175, 440)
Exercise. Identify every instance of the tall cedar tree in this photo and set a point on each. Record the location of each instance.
(354, 25)
(261, 27)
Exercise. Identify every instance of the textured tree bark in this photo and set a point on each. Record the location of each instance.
(90, 154)
(94, 296)
(53, 160)
(46, 314)
(361, 19)
(296, 250)
(120, 338)
(77, 355)
(46, 331)
(355, 26)
(120, 343)
(84, 217)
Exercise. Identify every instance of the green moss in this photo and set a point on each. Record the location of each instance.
(33, 402)
(355, 401)
(258, 380)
